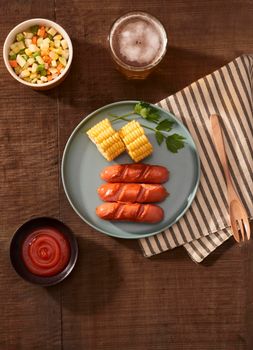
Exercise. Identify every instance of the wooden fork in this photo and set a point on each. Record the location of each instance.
(238, 216)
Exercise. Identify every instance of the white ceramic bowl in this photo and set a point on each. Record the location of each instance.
(22, 27)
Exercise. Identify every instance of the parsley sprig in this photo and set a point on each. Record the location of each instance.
(174, 142)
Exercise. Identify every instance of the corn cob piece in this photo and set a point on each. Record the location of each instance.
(135, 140)
(106, 139)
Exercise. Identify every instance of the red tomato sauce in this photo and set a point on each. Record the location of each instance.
(45, 251)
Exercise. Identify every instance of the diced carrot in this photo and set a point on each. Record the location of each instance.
(46, 59)
(59, 67)
(34, 39)
(41, 31)
(49, 77)
(13, 63)
(43, 53)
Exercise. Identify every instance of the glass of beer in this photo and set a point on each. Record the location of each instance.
(138, 43)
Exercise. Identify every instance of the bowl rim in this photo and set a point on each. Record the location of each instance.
(20, 233)
(30, 22)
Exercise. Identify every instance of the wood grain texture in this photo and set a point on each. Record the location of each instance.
(115, 298)
(30, 317)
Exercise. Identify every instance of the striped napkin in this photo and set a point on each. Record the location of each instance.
(228, 93)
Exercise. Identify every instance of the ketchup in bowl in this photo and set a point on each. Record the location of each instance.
(45, 251)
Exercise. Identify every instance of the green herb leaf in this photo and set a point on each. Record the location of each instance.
(175, 142)
(159, 137)
(147, 112)
(140, 106)
(153, 117)
(165, 125)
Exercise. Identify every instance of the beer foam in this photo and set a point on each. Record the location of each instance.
(139, 42)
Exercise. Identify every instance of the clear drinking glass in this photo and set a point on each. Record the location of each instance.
(138, 43)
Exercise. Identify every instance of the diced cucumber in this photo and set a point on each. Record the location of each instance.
(21, 52)
(53, 70)
(43, 73)
(53, 63)
(34, 29)
(39, 41)
(59, 51)
(33, 48)
(52, 31)
(21, 61)
(35, 54)
(64, 44)
(28, 42)
(40, 68)
(17, 46)
(45, 44)
(30, 61)
(20, 37)
(39, 59)
(65, 54)
(57, 43)
(25, 57)
(25, 73)
(63, 61)
(28, 35)
(53, 55)
(13, 57)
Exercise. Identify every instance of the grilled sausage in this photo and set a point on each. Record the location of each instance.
(140, 193)
(141, 173)
(135, 212)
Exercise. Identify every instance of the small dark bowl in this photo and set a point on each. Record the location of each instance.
(18, 239)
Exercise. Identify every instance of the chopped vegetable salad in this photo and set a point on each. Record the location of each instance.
(39, 54)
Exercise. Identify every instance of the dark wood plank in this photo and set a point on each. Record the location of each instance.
(29, 315)
(116, 299)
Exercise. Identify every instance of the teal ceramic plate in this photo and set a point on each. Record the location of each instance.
(82, 164)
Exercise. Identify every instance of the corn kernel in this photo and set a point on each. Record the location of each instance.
(106, 139)
(135, 140)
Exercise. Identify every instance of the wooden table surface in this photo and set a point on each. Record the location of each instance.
(115, 298)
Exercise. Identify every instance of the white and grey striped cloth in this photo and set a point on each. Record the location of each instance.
(227, 92)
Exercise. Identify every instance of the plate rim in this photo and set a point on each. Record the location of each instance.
(64, 155)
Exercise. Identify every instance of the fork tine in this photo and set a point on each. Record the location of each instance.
(247, 227)
(235, 230)
(240, 222)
